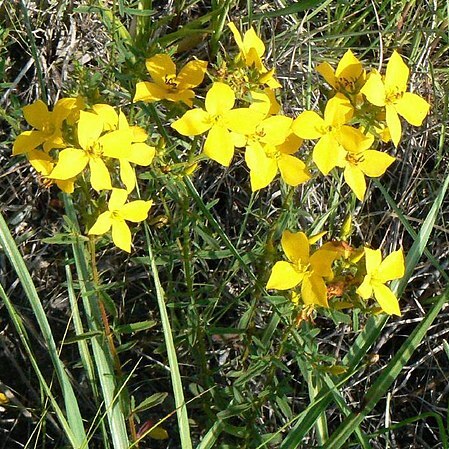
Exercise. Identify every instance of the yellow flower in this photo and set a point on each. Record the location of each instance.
(348, 77)
(379, 272)
(391, 94)
(139, 152)
(303, 268)
(47, 124)
(94, 148)
(118, 213)
(43, 163)
(334, 135)
(167, 85)
(252, 50)
(270, 149)
(219, 118)
(363, 163)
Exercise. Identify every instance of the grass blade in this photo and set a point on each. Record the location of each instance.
(102, 357)
(71, 404)
(181, 409)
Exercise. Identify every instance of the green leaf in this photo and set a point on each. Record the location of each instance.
(134, 327)
(152, 401)
(81, 337)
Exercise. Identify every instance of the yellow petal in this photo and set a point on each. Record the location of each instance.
(102, 225)
(139, 134)
(349, 68)
(121, 235)
(413, 108)
(290, 145)
(262, 168)
(108, 114)
(314, 291)
(192, 74)
(274, 106)
(36, 114)
(326, 153)
(242, 120)
(365, 290)
(356, 180)
(261, 102)
(237, 36)
(71, 162)
(27, 141)
(127, 175)
(141, 154)
(252, 40)
(149, 92)
(296, 246)
(67, 186)
(338, 111)
(328, 73)
(392, 267)
(373, 259)
(116, 144)
(269, 79)
(186, 96)
(396, 75)
(239, 140)
(136, 211)
(375, 163)
(41, 162)
(117, 199)
(352, 139)
(293, 170)
(308, 125)
(90, 127)
(219, 145)
(160, 67)
(374, 89)
(393, 123)
(274, 130)
(386, 299)
(321, 262)
(99, 175)
(54, 141)
(284, 276)
(193, 122)
(219, 99)
(253, 59)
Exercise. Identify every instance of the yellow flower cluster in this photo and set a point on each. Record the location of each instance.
(333, 272)
(69, 142)
(257, 126)
(240, 111)
(240, 114)
(362, 113)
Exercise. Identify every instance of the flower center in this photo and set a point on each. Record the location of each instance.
(393, 95)
(302, 268)
(95, 149)
(115, 215)
(48, 127)
(272, 152)
(354, 158)
(346, 84)
(170, 83)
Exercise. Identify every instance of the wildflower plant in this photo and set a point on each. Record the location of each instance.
(167, 85)
(227, 111)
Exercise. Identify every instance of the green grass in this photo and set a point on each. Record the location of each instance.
(95, 343)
